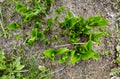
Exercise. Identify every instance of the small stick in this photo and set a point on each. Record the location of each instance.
(69, 45)
(54, 72)
(1, 21)
(22, 71)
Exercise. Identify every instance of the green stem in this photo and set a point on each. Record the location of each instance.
(1, 22)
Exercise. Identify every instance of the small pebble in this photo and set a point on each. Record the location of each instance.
(1, 0)
(115, 77)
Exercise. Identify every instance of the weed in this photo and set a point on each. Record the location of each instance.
(10, 68)
(74, 27)
(2, 23)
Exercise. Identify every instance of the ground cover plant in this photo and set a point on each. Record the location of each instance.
(116, 70)
(78, 31)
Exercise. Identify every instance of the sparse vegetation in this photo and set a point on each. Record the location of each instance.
(78, 32)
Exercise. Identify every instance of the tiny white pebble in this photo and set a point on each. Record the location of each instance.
(114, 77)
(1, 0)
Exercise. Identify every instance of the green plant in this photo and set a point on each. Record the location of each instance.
(38, 8)
(74, 28)
(117, 60)
(80, 52)
(115, 71)
(14, 26)
(2, 23)
(30, 12)
(10, 67)
(35, 35)
(77, 26)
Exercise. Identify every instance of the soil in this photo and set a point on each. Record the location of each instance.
(91, 69)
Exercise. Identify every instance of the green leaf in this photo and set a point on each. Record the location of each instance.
(17, 62)
(30, 41)
(41, 35)
(47, 42)
(50, 22)
(63, 59)
(54, 37)
(34, 32)
(96, 56)
(20, 7)
(61, 51)
(20, 67)
(2, 55)
(95, 37)
(49, 53)
(18, 37)
(96, 21)
(74, 57)
(69, 15)
(37, 25)
(14, 26)
(59, 10)
(89, 45)
(118, 48)
(2, 66)
(87, 55)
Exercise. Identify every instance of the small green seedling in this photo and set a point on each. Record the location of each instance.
(14, 26)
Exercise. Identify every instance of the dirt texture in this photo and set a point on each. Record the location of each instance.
(90, 69)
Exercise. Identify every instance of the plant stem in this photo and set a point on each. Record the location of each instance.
(22, 71)
(1, 22)
(55, 71)
(69, 45)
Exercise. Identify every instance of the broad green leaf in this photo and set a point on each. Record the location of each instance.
(16, 63)
(4, 77)
(74, 57)
(34, 32)
(96, 56)
(20, 7)
(41, 36)
(30, 41)
(74, 40)
(18, 37)
(2, 55)
(118, 48)
(71, 22)
(2, 66)
(59, 10)
(89, 45)
(95, 37)
(48, 53)
(20, 67)
(47, 42)
(69, 15)
(37, 25)
(95, 21)
(14, 26)
(50, 22)
(87, 55)
(64, 58)
(54, 37)
(49, 2)
(61, 51)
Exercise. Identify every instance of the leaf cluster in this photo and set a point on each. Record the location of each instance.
(9, 67)
(74, 27)
(35, 10)
(80, 52)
